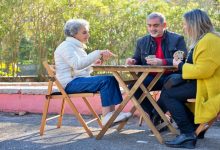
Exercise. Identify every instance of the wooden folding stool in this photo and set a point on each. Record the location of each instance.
(202, 126)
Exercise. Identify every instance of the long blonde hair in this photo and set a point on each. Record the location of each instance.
(198, 24)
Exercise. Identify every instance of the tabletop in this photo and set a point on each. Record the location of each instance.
(135, 68)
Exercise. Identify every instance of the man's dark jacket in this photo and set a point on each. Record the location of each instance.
(171, 42)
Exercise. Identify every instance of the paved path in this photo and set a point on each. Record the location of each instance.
(22, 133)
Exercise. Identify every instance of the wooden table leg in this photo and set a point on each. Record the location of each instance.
(137, 105)
(146, 92)
(130, 93)
(148, 121)
(135, 77)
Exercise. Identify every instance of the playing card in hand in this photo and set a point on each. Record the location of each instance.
(179, 54)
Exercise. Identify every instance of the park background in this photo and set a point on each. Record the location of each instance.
(30, 30)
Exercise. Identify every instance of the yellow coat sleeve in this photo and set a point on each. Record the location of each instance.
(204, 64)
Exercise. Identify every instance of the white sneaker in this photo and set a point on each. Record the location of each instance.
(127, 114)
(120, 117)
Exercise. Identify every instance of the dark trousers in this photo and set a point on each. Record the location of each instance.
(146, 104)
(106, 85)
(175, 99)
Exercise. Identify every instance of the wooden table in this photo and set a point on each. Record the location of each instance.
(138, 73)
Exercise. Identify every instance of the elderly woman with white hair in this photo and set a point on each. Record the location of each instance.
(73, 69)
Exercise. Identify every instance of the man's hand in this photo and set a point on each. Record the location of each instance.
(154, 61)
(130, 61)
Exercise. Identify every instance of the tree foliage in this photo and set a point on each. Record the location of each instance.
(31, 30)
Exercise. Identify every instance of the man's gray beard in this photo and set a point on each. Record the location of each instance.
(154, 35)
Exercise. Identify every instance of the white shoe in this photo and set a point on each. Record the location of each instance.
(127, 114)
(120, 117)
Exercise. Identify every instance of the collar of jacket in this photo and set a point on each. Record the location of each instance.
(75, 42)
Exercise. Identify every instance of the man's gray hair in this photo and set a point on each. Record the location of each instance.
(73, 26)
(157, 15)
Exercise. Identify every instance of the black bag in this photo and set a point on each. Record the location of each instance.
(173, 80)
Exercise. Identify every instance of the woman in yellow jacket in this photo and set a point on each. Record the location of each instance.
(202, 75)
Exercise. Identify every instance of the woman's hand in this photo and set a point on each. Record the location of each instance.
(106, 55)
(98, 62)
(179, 55)
(176, 62)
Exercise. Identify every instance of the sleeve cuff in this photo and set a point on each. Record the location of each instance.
(180, 66)
(99, 53)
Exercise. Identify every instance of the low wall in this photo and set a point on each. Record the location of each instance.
(30, 96)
